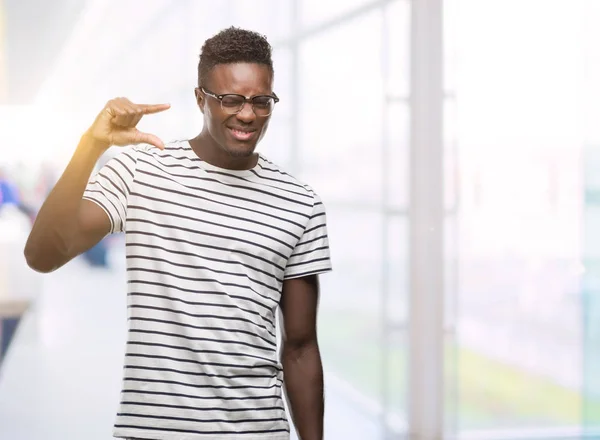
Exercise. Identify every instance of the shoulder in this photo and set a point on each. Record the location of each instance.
(284, 179)
(150, 151)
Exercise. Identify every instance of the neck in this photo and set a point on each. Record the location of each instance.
(209, 151)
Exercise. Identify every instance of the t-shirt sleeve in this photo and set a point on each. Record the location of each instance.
(111, 186)
(311, 254)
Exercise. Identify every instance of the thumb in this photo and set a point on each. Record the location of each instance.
(147, 138)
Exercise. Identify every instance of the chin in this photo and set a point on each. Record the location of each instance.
(240, 150)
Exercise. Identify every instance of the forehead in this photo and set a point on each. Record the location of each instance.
(244, 78)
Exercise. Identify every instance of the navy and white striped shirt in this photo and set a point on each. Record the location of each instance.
(207, 252)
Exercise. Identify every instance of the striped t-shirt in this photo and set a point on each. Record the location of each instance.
(207, 252)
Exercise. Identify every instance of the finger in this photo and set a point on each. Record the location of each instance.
(112, 111)
(147, 138)
(137, 117)
(135, 112)
(128, 118)
(118, 114)
(148, 109)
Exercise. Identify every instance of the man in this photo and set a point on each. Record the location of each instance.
(218, 238)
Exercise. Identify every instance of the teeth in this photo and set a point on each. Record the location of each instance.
(241, 133)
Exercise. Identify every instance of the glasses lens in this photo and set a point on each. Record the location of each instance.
(232, 103)
(263, 105)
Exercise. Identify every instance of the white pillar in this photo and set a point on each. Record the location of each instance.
(426, 326)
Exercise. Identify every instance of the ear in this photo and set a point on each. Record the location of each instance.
(199, 99)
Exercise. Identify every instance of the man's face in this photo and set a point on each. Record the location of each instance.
(238, 133)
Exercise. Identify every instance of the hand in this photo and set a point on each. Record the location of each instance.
(115, 125)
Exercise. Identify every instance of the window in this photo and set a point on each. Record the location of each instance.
(519, 342)
(315, 12)
(341, 95)
(349, 134)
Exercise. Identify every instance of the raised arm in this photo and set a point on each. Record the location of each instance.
(300, 356)
(67, 225)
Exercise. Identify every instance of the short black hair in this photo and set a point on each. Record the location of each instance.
(233, 45)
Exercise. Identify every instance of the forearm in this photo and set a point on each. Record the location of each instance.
(56, 222)
(303, 378)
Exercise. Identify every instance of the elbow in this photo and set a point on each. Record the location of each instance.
(30, 256)
(46, 252)
(35, 259)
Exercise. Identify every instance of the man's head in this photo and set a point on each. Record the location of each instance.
(236, 62)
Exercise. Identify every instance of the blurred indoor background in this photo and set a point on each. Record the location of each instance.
(456, 145)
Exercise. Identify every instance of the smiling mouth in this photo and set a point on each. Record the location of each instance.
(241, 135)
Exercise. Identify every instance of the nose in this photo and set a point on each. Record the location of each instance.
(246, 114)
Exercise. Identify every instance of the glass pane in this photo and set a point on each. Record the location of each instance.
(519, 352)
(341, 157)
(340, 118)
(519, 314)
(591, 287)
(397, 16)
(397, 163)
(282, 64)
(592, 73)
(350, 306)
(591, 290)
(397, 271)
(271, 146)
(451, 48)
(277, 143)
(351, 300)
(451, 152)
(313, 12)
(451, 347)
(359, 349)
(395, 319)
(270, 17)
(161, 49)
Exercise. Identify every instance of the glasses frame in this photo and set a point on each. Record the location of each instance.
(246, 99)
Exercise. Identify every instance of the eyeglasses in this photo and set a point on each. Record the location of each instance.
(231, 103)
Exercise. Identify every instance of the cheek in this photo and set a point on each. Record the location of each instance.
(213, 120)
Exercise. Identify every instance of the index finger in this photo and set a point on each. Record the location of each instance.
(148, 109)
